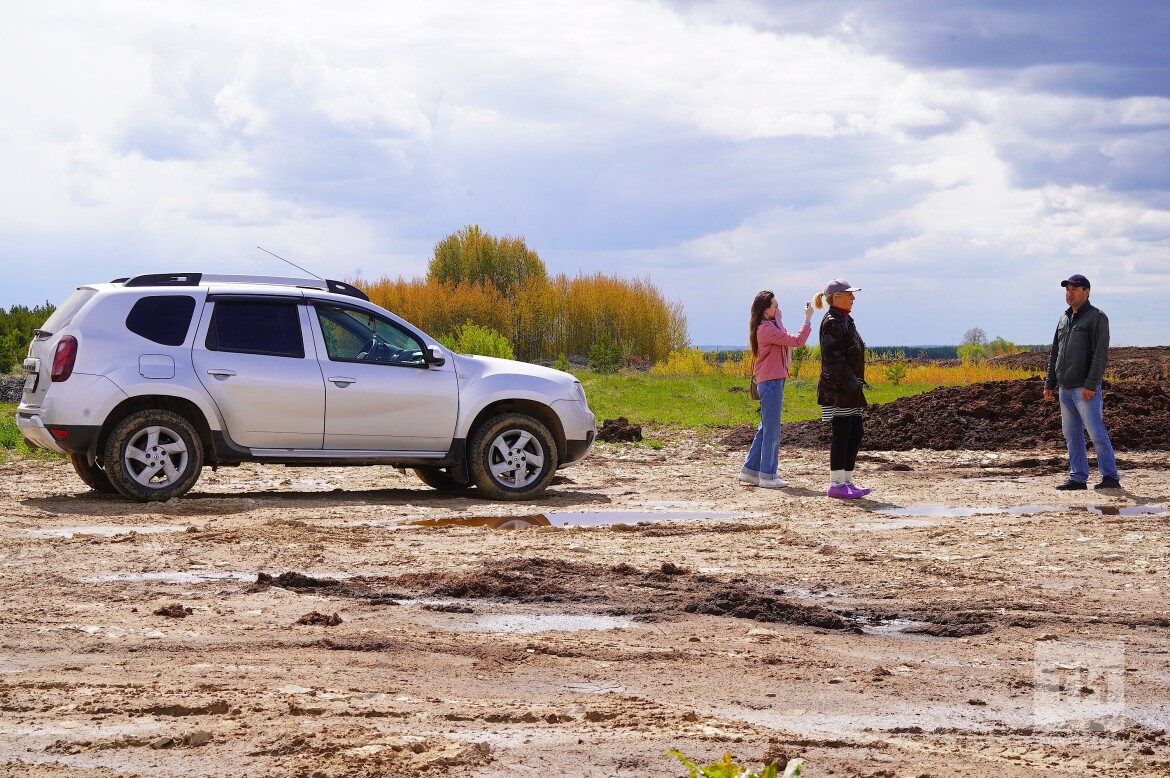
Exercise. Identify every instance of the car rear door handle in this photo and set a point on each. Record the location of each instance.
(341, 381)
(221, 374)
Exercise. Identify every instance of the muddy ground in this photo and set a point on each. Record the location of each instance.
(965, 620)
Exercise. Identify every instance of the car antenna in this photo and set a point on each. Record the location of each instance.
(298, 267)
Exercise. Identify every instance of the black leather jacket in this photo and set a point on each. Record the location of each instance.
(842, 362)
(1079, 349)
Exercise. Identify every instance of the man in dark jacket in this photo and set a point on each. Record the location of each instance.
(1076, 366)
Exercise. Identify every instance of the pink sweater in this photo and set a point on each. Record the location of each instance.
(775, 344)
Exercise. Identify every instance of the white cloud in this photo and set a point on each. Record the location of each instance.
(716, 147)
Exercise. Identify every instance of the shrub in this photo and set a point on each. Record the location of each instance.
(473, 339)
(562, 363)
(688, 362)
(604, 356)
(799, 355)
(738, 365)
(896, 372)
(972, 352)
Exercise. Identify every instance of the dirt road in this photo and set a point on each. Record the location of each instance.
(967, 620)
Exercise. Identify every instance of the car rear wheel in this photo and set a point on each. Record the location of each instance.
(93, 476)
(512, 457)
(153, 455)
(438, 478)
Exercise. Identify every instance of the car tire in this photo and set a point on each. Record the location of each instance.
(153, 455)
(93, 476)
(438, 478)
(512, 457)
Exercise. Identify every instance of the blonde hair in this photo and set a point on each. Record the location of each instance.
(822, 299)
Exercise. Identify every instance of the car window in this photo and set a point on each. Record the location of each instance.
(163, 319)
(353, 335)
(271, 328)
(68, 309)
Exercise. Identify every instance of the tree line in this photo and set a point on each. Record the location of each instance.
(501, 284)
(16, 332)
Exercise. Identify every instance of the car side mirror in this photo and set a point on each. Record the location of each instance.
(434, 356)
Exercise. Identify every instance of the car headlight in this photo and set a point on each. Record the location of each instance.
(580, 392)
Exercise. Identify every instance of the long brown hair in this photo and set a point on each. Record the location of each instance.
(762, 302)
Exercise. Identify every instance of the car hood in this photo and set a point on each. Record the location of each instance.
(471, 368)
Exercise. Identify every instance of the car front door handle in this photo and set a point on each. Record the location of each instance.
(342, 381)
(221, 374)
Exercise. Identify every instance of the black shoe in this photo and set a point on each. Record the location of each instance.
(1108, 483)
(1070, 485)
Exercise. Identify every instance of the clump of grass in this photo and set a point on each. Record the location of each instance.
(12, 443)
(729, 769)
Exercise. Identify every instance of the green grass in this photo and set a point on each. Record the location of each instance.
(12, 442)
(706, 400)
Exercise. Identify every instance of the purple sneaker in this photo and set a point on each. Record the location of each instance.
(857, 490)
(842, 491)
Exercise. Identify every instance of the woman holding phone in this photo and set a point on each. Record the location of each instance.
(772, 355)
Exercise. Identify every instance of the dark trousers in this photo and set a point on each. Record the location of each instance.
(846, 442)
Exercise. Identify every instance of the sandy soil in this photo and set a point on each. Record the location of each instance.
(967, 620)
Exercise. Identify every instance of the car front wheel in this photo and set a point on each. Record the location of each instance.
(512, 457)
(153, 455)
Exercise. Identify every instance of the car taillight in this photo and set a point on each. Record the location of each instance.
(63, 358)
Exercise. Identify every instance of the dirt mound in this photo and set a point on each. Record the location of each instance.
(621, 590)
(1144, 363)
(992, 416)
(619, 430)
(739, 603)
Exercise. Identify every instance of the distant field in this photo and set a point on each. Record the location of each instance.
(722, 400)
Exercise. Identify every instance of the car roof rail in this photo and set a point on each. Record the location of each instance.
(162, 279)
(194, 279)
(340, 287)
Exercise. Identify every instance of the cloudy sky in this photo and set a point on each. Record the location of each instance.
(955, 159)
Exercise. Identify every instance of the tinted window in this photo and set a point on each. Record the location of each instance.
(163, 319)
(359, 336)
(271, 328)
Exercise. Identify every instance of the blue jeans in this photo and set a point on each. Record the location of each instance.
(1076, 416)
(764, 454)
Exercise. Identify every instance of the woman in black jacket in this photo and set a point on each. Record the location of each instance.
(840, 389)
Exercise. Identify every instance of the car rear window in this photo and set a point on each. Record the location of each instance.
(163, 319)
(271, 328)
(68, 309)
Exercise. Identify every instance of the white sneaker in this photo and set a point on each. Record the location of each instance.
(772, 483)
(749, 479)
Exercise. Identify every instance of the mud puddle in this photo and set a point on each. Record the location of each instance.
(171, 576)
(529, 623)
(1127, 510)
(895, 628)
(808, 721)
(961, 511)
(569, 519)
(103, 531)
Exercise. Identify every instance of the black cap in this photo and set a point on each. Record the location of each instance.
(1076, 279)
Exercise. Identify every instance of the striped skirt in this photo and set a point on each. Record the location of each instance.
(830, 412)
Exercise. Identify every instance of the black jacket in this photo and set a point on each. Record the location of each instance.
(842, 362)
(1079, 349)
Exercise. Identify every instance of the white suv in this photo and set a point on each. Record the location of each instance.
(143, 381)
